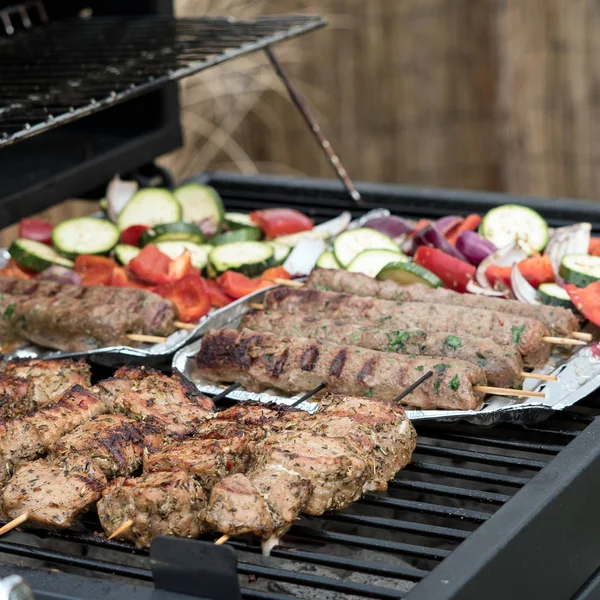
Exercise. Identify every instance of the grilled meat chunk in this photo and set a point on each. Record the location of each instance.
(28, 437)
(560, 321)
(368, 421)
(261, 361)
(502, 328)
(112, 442)
(28, 384)
(172, 402)
(163, 503)
(502, 364)
(53, 492)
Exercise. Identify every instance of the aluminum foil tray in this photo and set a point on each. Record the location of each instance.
(578, 376)
(151, 355)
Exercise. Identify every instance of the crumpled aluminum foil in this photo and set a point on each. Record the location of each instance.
(578, 376)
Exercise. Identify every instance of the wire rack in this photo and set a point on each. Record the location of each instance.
(65, 70)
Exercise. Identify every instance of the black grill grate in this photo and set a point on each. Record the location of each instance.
(380, 547)
(65, 70)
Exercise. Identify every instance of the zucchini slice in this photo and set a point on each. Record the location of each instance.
(37, 256)
(246, 234)
(327, 260)
(200, 204)
(407, 273)
(172, 232)
(199, 252)
(554, 295)
(249, 258)
(504, 224)
(124, 253)
(150, 206)
(348, 245)
(280, 252)
(580, 269)
(235, 220)
(85, 235)
(370, 262)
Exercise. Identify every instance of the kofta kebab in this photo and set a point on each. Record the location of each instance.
(157, 458)
(362, 337)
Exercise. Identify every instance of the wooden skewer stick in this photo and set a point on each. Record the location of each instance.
(563, 341)
(182, 325)
(539, 376)
(14, 523)
(486, 389)
(287, 282)
(222, 540)
(148, 339)
(580, 335)
(124, 526)
(256, 305)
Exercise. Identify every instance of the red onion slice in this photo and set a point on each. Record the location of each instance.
(473, 288)
(504, 257)
(118, 194)
(432, 237)
(474, 247)
(60, 275)
(446, 224)
(391, 226)
(574, 239)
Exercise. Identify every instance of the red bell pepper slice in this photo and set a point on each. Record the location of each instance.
(281, 221)
(453, 272)
(36, 229)
(189, 296)
(181, 266)
(594, 248)
(151, 265)
(536, 269)
(132, 234)
(218, 297)
(586, 300)
(14, 269)
(237, 285)
(470, 223)
(275, 273)
(94, 270)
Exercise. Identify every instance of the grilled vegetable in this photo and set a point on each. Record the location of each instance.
(249, 258)
(322, 231)
(554, 295)
(580, 269)
(536, 270)
(131, 236)
(503, 224)
(586, 300)
(125, 252)
(150, 206)
(453, 272)
(280, 252)
(94, 270)
(85, 235)
(235, 220)
(407, 273)
(474, 247)
(199, 252)
(172, 232)
(201, 205)
(327, 260)
(470, 223)
(36, 255)
(245, 234)
(275, 222)
(151, 265)
(370, 262)
(36, 229)
(348, 245)
(189, 296)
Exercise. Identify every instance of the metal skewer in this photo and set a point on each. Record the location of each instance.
(314, 127)
(413, 386)
(308, 395)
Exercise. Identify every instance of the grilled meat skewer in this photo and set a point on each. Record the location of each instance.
(560, 321)
(261, 361)
(502, 364)
(367, 433)
(28, 384)
(502, 328)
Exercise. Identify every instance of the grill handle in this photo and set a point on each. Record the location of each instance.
(198, 569)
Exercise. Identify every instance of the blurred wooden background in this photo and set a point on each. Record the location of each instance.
(487, 94)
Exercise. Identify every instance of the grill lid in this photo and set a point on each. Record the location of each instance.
(60, 72)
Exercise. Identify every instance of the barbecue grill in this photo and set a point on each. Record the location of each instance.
(505, 512)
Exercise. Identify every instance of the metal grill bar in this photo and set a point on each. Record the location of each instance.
(65, 70)
(452, 491)
(469, 474)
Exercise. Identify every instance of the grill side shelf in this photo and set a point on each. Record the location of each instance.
(504, 558)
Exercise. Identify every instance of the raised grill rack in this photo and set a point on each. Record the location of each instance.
(435, 534)
(68, 69)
